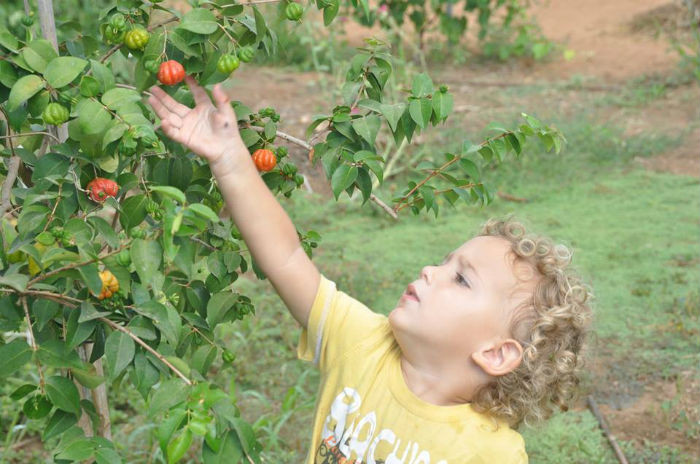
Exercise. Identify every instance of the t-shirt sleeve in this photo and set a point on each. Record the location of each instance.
(337, 323)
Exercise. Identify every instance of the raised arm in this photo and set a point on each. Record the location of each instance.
(212, 133)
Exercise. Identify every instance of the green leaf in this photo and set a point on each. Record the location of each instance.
(168, 191)
(342, 178)
(420, 111)
(393, 113)
(199, 21)
(422, 85)
(63, 394)
(25, 88)
(105, 455)
(170, 393)
(103, 75)
(22, 391)
(8, 75)
(442, 105)
(133, 211)
(117, 97)
(230, 450)
(204, 211)
(367, 127)
(470, 168)
(77, 450)
(330, 12)
(38, 54)
(91, 276)
(164, 319)
(93, 118)
(77, 333)
(105, 230)
(8, 40)
(62, 70)
(16, 281)
(119, 351)
(14, 355)
(146, 255)
(169, 425)
(59, 422)
(219, 304)
(179, 446)
(51, 166)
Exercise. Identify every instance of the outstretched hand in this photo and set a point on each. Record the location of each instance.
(209, 131)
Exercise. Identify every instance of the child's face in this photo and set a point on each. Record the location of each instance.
(463, 303)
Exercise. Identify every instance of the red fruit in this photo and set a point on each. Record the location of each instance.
(100, 188)
(264, 159)
(171, 72)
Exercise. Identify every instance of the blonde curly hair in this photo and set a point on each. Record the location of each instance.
(551, 326)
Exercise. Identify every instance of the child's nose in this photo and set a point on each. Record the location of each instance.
(427, 273)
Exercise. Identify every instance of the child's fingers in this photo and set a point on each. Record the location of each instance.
(198, 92)
(223, 104)
(166, 103)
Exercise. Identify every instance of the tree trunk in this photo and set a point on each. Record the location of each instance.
(48, 31)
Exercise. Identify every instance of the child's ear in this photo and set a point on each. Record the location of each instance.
(499, 358)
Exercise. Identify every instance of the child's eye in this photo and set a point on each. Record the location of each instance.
(461, 280)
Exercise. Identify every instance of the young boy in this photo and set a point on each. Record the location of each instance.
(489, 338)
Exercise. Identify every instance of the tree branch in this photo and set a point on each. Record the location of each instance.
(305, 145)
(32, 342)
(134, 337)
(41, 277)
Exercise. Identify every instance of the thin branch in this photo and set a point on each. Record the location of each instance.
(443, 167)
(32, 342)
(606, 430)
(134, 337)
(6, 191)
(74, 302)
(305, 145)
(23, 134)
(53, 211)
(509, 197)
(41, 277)
(12, 170)
(384, 206)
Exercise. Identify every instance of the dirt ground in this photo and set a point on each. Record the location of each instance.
(613, 42)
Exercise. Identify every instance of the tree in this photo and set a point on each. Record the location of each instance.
(115, 265)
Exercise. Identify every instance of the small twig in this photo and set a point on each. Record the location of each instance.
(74, 302)
(447, 164)
(53, 211)
(305, 145)
(6, 191)
(507, 196)
(593, 406)
(23, 134)
(41, 277)
(134, 337)
(383, 206)
(32, 342)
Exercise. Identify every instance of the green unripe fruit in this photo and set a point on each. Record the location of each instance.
(27, 20)
(124, 258)
(294, 11)
(227, 64)
(152, 66)
(117, 21)
(137, 233)
(113, 35)
(228, 357)
(246, 54)
(46, 238)
(55, 114)
(136, 39)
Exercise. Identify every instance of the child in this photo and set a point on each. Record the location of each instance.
(487, 339)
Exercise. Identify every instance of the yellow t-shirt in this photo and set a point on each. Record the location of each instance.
(365, 412)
